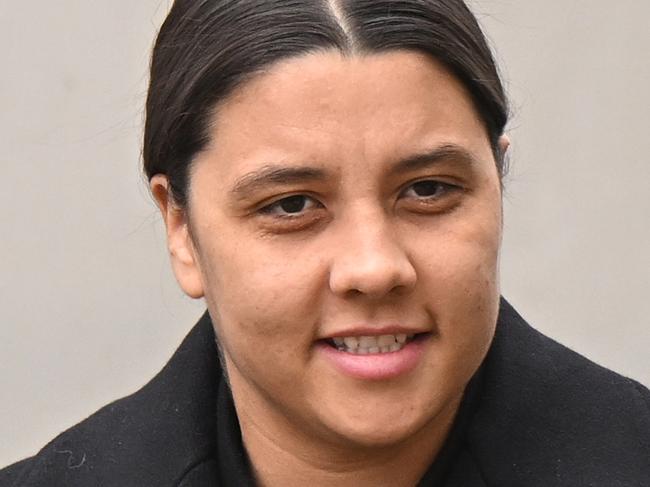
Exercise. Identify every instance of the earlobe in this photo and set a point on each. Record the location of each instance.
(502, 155)
(504, 145)
(179, 242)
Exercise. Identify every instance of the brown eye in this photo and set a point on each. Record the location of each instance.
(293, 204)
(428, 189)
(290, 206)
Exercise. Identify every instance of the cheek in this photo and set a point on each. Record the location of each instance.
(463, 251)
(265, 298)
(460, 276)
(260, 329)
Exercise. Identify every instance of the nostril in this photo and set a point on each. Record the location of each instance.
(353, 293)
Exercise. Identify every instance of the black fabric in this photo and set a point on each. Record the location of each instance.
(536, 414)
(455, 444)
(155, 437)
(233, 462)
(550, 417)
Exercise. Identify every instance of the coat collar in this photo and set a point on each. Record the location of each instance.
(160, 436)
(549, 416)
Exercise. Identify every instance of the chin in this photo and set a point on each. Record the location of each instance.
(373, 436)
(379, 426)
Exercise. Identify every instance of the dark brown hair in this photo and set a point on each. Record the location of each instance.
(206, 48)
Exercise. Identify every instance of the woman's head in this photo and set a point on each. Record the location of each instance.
(340, 210)
(206, 49)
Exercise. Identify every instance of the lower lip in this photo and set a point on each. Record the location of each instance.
(376, 366)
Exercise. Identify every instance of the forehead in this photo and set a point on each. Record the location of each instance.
(327, 106)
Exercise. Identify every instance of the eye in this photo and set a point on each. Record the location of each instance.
(428, 189)
(290, 206)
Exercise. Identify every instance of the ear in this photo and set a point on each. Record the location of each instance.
(179, 242)
(504, 144)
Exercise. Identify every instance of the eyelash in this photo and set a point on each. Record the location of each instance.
(442, 189)
(269, 209)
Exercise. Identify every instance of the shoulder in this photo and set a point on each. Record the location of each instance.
(556, 417)
(12, 474)
(156, 436)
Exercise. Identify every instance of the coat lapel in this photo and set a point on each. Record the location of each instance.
(155, 437)
(551, 417)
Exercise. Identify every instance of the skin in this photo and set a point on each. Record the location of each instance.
(366, 245)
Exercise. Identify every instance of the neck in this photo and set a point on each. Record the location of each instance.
(281, 454)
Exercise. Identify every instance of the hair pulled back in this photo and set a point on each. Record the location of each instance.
(207, 48)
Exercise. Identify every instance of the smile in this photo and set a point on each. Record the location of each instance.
(378, 357)
(364, 345)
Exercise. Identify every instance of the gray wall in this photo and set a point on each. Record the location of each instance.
(88, 307)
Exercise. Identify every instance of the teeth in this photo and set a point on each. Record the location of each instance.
(367, 342)
(386, 340)
(364, 345)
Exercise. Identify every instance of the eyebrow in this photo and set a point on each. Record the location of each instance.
(444, 153)
(275, 174)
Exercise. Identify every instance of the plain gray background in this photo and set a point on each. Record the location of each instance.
(89, 310)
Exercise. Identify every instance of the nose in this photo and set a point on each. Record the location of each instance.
(371, 261)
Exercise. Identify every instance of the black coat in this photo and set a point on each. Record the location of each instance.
(537, 415)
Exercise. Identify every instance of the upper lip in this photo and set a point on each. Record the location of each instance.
(370, 330)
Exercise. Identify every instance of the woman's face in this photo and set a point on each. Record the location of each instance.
(341, 198)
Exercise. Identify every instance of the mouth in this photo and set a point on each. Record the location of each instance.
(375, 357)
(380, 344)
